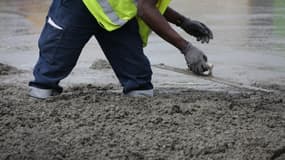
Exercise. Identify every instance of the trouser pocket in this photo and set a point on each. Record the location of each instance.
(49, 41)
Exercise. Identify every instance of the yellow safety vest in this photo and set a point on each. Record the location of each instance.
(113, 14)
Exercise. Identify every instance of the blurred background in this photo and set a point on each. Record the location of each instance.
(248, 45)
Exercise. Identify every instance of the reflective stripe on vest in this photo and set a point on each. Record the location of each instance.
(112, 14)
(108, 10)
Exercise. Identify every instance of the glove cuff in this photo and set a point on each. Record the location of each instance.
(184, 21)
(180, 21)
(187, 48)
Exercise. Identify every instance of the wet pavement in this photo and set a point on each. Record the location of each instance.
(248, 48)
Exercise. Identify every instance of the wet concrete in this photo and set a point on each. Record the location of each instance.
(249, 44)
(90, 122)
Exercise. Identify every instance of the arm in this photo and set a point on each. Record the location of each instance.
(195, 58)
(192, 27)
(159, 24)
(174, 17)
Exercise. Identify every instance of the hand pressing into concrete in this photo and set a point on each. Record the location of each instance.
(196, 60)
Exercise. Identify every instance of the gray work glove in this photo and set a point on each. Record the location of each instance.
(196, 60)
(197, 29)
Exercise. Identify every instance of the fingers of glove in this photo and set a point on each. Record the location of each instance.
(205, 67)
(200, 28)
(198, 69)
(203, 31)
(205, 58)
(194, 68)
(205, 39)
(210, 33)
(198, 39)
(203, 64)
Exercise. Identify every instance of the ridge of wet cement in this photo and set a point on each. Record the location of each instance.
(8, 70)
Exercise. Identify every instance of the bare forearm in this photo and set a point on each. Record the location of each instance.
(159, 24)
(173, 17)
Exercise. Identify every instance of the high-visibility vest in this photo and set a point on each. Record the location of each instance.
(113, 14)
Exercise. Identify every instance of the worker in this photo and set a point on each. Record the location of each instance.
(121, 28)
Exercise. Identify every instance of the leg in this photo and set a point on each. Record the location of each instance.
(123, 48)
(61, 42)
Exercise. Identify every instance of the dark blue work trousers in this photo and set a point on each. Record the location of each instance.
(60, 48)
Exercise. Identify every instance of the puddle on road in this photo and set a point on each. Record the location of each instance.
(249, 36)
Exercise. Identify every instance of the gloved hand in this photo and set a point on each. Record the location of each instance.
(196, 60)
(197, 29)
